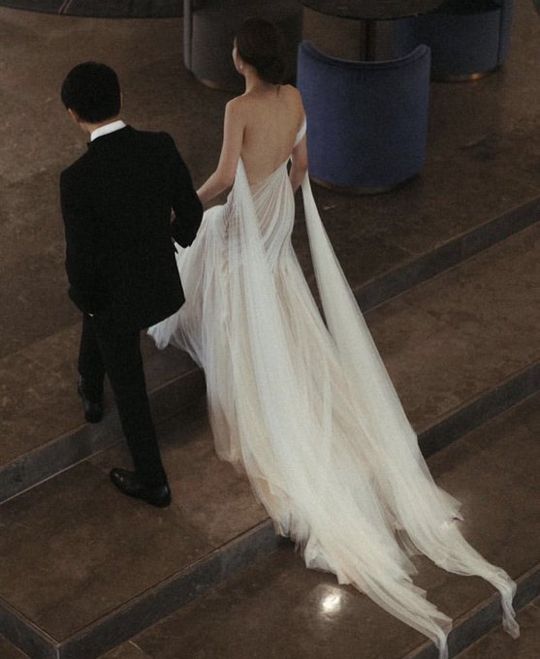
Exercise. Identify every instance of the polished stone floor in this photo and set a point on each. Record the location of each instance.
(498, 645)
(484, 151)
(63, 570)
(9, 651)
(483, 154)
(277, 608)
(451, 324)
(438, 340)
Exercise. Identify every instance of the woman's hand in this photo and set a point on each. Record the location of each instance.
(299, 164)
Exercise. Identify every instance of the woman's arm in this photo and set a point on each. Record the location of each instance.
(233, 135)
(299, 165)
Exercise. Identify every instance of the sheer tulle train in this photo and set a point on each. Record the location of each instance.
(308, 410)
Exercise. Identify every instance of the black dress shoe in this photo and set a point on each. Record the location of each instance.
(128, 483)
(93, 409)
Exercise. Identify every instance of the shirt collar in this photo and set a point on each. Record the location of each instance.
(106, 129)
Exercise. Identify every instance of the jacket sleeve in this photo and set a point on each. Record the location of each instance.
(79, 227)
(188, 210)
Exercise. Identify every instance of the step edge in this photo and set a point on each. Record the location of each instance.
(524, 382)
(171, 594)
(80, 427)
(85, 441)
(239, 551)
(221, 562)
(529, 212)
(476, 411)
(24, 634)
(448, 255)
(481, 618)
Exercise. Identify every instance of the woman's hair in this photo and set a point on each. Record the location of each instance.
(92, 90)
(260, 44)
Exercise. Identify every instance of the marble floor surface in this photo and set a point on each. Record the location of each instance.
(484, 146)
(498, 645)
(438, 341)
(495, 645)
(63, 572)
(277, 608)
(9, 651)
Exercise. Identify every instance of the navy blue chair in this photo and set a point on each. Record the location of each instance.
(367, 121)
(468, 39)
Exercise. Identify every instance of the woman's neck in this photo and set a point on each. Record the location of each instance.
(254, 84)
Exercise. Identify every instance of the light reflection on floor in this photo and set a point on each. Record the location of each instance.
(331, 601)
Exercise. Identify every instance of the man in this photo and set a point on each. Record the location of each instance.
(120, 259)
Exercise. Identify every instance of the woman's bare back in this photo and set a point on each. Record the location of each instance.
(274, 118)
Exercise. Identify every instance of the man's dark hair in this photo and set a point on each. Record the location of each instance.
(92, 91)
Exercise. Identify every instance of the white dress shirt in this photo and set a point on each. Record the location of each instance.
(106, 129)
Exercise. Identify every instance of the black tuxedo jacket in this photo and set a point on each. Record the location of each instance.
(116, 204)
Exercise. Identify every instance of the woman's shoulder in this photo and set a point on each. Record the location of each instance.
(246, 106)
(248, 99)
(235, 104)
(295, 97)
(290, 89)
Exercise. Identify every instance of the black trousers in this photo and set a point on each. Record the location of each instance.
(109, 349)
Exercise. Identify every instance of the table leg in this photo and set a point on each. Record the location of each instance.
(371, 40)
(188, 24)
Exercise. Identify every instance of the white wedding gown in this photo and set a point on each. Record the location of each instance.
(308, 410)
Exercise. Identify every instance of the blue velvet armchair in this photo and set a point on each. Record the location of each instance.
(468, 39)
(367, 121)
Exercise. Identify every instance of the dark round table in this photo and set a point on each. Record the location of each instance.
(211, 25)
(371, 11)
(380, 10)
(102, 9)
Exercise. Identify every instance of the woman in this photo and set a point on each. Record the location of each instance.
(307, 411)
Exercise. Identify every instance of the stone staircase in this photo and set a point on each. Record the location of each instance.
(446, 270)
(278, 608)
(84, 569)
(498, 645)
(41, 428)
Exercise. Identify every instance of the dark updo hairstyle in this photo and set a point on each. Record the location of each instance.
(92, 91)
(260, 44)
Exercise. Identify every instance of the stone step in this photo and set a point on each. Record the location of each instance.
(417, 268)
(278, 608)
(437, 339)
(481, 183)
(481, 180)
(84, 568)
(82, 564)
(9, 651)
(498, 645)
(42, 428)
(91, 586)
